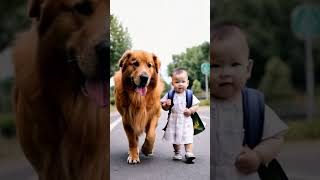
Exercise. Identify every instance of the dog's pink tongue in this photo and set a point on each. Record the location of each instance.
(97, 91)
(142, 90)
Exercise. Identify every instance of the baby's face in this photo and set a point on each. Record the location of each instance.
(230, 70)
(180, 82)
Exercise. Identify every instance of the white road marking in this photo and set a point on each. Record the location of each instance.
(115, 123)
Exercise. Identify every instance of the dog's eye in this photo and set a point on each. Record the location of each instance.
(84, 8)
(149, 65)
(136, 64)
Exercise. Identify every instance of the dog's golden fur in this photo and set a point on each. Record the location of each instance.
(139, 112)
(63, 133)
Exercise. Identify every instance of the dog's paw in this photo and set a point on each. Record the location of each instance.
(146, 153)
(133, 160)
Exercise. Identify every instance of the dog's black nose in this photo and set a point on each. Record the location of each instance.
(103, 53)
(144, 79)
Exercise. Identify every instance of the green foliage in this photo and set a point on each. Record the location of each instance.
(205, 102)
(276, 83)
(267, 24)
(167, 87)
(196, 87)
(191, 60)
(112, 98)
(120, 42)
(6, 95)
(13, 18)
(7, 125)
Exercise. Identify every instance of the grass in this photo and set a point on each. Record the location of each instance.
(303, 130)
(7, 125)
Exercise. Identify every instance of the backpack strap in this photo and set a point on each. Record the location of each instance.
(189, 96)
(170, 96)
(253, 116)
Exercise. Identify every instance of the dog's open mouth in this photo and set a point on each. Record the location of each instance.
(141, 90)
(97, 91)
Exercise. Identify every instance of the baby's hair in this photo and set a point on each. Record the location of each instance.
(224, 31)
(179, 71)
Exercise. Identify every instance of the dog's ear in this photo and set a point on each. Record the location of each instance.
(156, 62)
(124, 57)
(34, 8)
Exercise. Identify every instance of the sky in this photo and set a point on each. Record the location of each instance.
(164, 27)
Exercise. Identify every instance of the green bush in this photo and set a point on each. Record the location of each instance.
(7, 126)
(112, 100)
(204, 102)
(196, 87)
(276, 82)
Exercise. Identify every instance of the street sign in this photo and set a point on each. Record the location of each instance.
(205, 68)
(305, 21)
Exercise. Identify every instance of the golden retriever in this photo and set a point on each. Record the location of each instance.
(61, 89)
(137, 91)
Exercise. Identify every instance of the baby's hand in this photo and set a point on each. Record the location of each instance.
(248, 161)
(166, 104)
(187, 112)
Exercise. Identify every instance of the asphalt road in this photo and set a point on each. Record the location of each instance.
(300, 160)
(160, 166)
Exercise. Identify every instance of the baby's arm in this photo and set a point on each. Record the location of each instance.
(191, 110)
(269, 148)
(165, 104)
(249, 160)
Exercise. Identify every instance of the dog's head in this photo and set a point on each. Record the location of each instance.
(79, 27)
(140, 70)
(77, 33)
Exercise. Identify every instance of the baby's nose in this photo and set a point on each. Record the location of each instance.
(227, 71)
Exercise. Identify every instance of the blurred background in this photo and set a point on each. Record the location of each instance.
(285, 46)
(13, 19)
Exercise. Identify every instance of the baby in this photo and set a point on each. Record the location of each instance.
(231, 68)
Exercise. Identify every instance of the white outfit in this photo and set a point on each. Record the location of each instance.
(229, 134)
(180, 128)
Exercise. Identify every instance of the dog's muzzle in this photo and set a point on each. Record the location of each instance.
(144, 78)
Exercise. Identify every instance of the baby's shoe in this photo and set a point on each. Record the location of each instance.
(189, 157)
(177, 156)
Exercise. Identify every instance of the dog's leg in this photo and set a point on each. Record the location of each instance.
(133, 157)
(150, 137)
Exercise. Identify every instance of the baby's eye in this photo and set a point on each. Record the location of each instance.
(235, 64)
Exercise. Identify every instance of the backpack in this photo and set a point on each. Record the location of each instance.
(253, 120)
(198, 125)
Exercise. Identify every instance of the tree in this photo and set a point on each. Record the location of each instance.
(13, 18)
(267, 24)
(196, 87)
(191, 60)
(120, 42)
(276, 83)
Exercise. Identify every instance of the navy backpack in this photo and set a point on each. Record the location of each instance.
(198, 125)
(253, 116)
